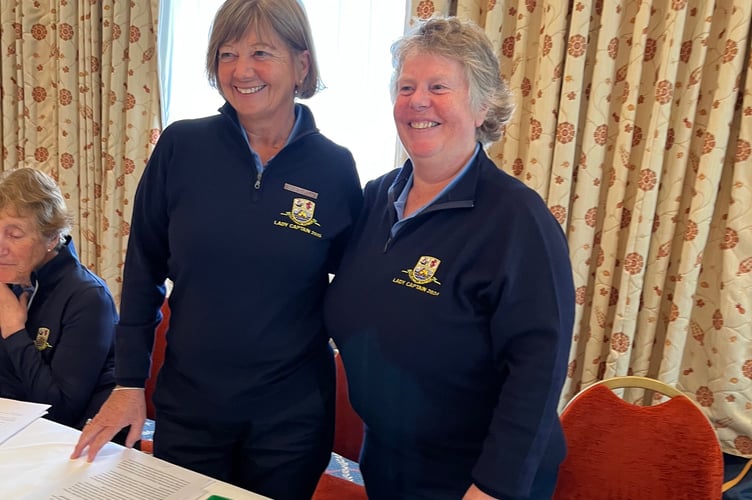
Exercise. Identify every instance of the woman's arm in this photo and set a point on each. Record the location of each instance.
(84, 343)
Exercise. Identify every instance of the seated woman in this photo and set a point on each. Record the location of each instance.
(57, 319)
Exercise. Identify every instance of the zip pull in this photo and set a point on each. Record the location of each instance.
(257, 184)
(386, 245)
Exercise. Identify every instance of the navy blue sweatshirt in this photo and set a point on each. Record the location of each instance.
(249, 257)
(455, 334)
(74, 369)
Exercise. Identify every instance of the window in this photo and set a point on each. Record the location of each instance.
(352, 40)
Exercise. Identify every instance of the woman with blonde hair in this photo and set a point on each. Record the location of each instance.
(57, 319)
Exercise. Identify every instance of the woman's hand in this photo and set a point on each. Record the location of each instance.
(12, 311)
(125, 406)
(473, 493)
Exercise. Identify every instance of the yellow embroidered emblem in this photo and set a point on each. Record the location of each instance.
(302, 212)
(424, 270)
(41, 341)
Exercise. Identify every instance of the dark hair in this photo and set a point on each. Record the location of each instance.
(286, 18)
(30, 192)
(465, 42)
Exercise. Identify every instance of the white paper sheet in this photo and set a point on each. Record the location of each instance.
(17, 415)
(35, 465)
(126, 475)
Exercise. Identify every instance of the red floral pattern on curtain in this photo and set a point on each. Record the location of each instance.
(80, 101)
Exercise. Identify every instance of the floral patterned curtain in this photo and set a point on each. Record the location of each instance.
(634, 122)
(80, 102)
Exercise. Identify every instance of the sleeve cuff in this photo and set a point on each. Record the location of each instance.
(132, 383)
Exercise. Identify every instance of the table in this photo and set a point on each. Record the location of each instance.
(35, 464)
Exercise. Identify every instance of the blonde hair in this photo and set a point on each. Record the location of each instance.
(286, 18)
(30, 192)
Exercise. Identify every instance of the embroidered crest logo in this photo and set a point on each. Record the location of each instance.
(41, 341)
(302, 212)
(424, 270)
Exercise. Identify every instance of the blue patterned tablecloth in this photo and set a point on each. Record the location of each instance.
(732, 466)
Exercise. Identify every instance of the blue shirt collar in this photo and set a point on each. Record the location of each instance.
(295, 129)
(399, 203)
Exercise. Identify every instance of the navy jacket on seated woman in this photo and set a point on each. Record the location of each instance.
(57, 318)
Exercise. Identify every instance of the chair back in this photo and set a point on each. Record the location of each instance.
(348, 427)
(619, 450)
(157, 358)
(348, 437)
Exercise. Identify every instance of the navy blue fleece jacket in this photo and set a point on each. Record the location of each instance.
(74, 369)
(455, 333)
(249, 257)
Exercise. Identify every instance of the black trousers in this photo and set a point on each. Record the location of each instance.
(279, 455)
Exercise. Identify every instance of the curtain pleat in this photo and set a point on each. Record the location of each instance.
(80, 101)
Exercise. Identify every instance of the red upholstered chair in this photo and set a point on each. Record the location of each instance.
(348, 427)
(348, 437)
(157, 358)
(619, 450)
(335, 488)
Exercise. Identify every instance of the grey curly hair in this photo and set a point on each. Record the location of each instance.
(465, 42)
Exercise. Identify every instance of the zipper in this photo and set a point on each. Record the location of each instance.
(388, 242)
(32, 294)
(450, 205)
